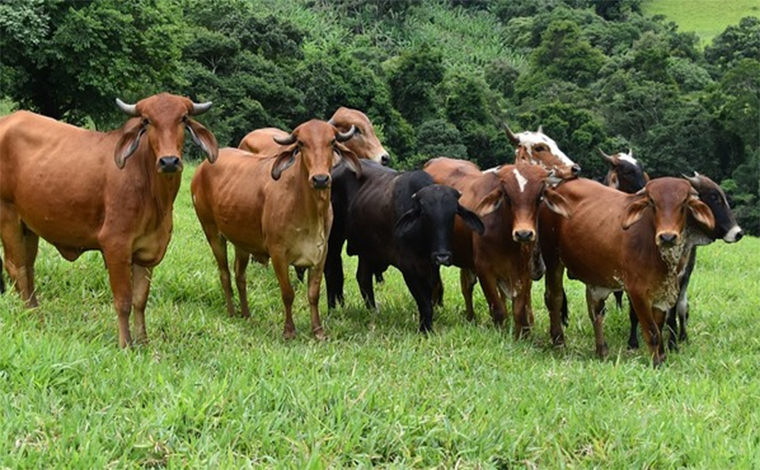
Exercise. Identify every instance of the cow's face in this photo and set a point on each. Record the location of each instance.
(432, 217)
(161, 120)
(670, 199)
(319, 146)
(712, 195)
(626, 173)
(521, 190)
(364, 143)
(536, 148)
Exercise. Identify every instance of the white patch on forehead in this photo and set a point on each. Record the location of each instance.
(521, 181)
(628, 158)
(529, 139)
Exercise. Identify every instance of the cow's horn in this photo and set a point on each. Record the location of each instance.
(130, 109)
(540, 129)
(200, 108)
(344, 136)
(511, 135)
(291, 139)
(694, 180)
(609, 158)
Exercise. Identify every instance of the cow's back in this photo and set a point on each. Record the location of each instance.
(43, 159)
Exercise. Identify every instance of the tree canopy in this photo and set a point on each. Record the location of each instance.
(436, 77)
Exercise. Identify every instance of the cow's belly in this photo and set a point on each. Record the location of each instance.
(594, 270)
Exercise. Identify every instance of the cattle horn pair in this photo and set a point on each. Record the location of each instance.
(612, 160)
(694, 180)
(131, 109)
(340, 137)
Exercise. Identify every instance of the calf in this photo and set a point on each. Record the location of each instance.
(614, 240)
(399, 219)
(269, 210)
(507, 200)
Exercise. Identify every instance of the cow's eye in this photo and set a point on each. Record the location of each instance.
(358, 131)
(145, 122)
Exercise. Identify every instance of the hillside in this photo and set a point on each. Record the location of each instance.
(707, 18)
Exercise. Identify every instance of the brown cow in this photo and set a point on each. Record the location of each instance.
(507, 201)
(269, 211)
(364, 143)
(614, 240)
(59, 182)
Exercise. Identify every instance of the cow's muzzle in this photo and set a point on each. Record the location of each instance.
(385, 159)
(442, 258)
(575, 170)
(667, 238)
(320, 181)
(523, 236)
(169, 164)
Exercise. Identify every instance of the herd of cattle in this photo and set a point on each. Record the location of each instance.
(296, 198)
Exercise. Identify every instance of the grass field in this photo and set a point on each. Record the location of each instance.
(707, 18)
(209, 391)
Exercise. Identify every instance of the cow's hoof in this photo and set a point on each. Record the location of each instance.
(320, 334)
(602, 350)
(289, 334)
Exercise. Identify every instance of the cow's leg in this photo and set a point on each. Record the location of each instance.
(141, 277)
(554, 296)
(280, 265)
(633, 337)
(671, 325)
(651, 321)
(437, 290)
(595, 302)
(682, 309)
(31, 245)
(334, 279)
(219, 248)
(493, 297)
(422, 291)
(467, 280)
(14, 239)
(364, 279)
(119, 264)
(242, 258)
(315, 281)
(522, 311)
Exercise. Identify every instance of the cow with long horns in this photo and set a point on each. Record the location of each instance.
(84, 190)
(276, 208)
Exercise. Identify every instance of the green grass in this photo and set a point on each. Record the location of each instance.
(209, 391)
(707, 18)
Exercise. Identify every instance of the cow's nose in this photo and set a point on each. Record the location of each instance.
(575, 170)
(668, 238)
(739, 235)
(523, 236)
(385, 159)
(442, 258)
(320, 181)
(170, 164)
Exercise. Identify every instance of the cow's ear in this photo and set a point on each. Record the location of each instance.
(557, 203)
(702, 213)
(283, 161)
(635, 209)
(471, 219)
(128, 143)
(613, 182)
(350, 158)
(203, 138)
(490, 202)
(405, 223)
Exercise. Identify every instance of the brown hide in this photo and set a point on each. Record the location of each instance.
(615, 240)
(272, 207)
(261, 141)
(64, 184)
(508, 201)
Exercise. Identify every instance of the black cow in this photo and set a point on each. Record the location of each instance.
(725, 227)
(626, 173)
(392, 218)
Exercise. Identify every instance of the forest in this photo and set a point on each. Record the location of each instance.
(437, 77)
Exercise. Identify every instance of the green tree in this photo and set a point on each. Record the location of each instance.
(564, 54)
(412, 80)
(737, 42)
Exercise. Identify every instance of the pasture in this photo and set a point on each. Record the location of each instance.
(211, 391)
(706, 18)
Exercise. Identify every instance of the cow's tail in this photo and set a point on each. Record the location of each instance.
(564, 313)
(2, 283)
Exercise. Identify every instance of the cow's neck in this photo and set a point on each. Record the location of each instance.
(163, 188)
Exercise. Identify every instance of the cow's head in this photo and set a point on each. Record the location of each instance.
(365, 143)
(319, 145)
(521, 189)
(162, 120)
(670, 199)
(432, 217)
(712, 195)
(626, 173)
(537, 148)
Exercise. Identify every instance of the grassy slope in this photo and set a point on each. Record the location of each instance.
(707, 18)
(215, 392)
